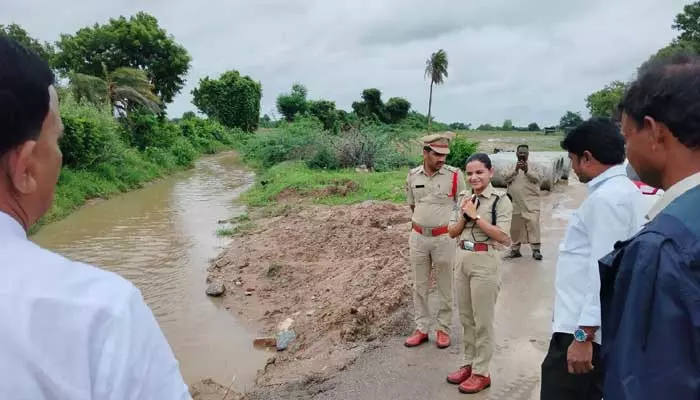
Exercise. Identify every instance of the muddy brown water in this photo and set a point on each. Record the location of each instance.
(162, 239)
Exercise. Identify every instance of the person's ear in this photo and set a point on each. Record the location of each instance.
(22, 168)
(587, 156)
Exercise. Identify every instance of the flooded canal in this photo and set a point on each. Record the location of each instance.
(161, 238)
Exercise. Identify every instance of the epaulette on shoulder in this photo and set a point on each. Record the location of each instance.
(451, 168)
(415, 170)
(464, 193)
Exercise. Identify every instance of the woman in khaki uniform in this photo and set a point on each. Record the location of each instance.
(480, 226)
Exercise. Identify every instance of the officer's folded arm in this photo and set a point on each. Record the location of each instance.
(494, 232)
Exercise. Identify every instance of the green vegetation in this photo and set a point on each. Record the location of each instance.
(294, 181)
(123, 74)
(103, 156)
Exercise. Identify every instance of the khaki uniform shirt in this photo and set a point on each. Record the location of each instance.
(431, 195)
(504, 214)
(524, 189)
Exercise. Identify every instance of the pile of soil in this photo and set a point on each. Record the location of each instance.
(340, 273)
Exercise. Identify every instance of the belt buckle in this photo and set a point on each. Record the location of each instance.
(428, 232)
(467, 245)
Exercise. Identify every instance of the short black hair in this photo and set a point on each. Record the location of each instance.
(522, 146)
(668, 90)
(601, 137)
(24, 94)
(483, 157)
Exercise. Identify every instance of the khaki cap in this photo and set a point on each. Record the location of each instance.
(438, 142)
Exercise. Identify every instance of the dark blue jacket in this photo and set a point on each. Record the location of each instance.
(650, 308)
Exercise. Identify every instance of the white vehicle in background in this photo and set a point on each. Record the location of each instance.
(652, 194)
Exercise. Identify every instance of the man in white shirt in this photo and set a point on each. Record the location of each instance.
(613, 211)
(68, 331)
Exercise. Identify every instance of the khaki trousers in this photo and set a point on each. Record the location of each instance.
(477, 283)
(525, 230)
(425, 252)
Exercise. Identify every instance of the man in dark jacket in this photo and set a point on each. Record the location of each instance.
(650, 284)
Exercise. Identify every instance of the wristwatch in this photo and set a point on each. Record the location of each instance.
(581, 336)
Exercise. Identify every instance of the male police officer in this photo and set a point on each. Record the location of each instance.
(431, 191)
(524, 191)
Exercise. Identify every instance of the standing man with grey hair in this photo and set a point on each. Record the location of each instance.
(69, 330)
(524, 192)
(431, 191)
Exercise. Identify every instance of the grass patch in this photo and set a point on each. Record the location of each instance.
(241, 218)
(225, 232)
(293, 179)
(273, 270)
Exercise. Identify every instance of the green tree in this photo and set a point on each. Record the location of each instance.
(123, 90)
(533, 127)
(293, 103)
(137, 42)
(325, 111)
(233, 100)
(688, 23)
(570, 120)
(436, 69)
(371, 107)
(603, 103)
(507, 125)
(397, 109)
(44, 50)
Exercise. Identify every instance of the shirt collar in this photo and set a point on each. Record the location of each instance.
(487, 192)
(595, 183)
(673, 193)
(440, 171)
(10, 226)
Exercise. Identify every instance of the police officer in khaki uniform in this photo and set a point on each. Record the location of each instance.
(481, 225)
(431, 192)
(524, 191)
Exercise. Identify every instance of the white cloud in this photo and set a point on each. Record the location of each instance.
(528, 60)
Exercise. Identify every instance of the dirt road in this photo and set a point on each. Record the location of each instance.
(523, 323)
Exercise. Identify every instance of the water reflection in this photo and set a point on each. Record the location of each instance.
(162, 238)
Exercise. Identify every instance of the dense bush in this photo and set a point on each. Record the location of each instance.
(232, 99)
(103, 155)
(291, 141)
(90, 136)
(460, 150)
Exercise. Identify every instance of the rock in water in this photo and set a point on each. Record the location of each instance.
(216, 288)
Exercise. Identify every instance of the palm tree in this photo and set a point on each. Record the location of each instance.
(120, 90)
(436, 69)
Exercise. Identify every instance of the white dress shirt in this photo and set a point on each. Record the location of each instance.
(613, 211)
(70, 331)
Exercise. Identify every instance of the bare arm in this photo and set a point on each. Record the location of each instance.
(456, 228)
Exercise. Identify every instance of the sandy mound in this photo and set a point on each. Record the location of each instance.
(340, 273)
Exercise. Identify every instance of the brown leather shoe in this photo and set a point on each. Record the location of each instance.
(416, 339)
(442, 340)
(475, 384)
(460, 375)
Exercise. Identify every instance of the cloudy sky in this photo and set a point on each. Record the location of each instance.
(527, 60)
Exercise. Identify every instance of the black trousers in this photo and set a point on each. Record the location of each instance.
(559, 384)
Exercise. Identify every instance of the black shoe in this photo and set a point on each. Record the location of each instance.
(512, 254)
(537, 255)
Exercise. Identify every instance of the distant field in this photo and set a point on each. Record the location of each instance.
(509, 140)
(291, 182)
